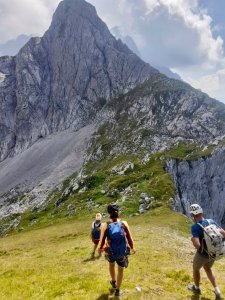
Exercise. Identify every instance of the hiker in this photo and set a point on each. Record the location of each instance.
(96, 232)
(202, 257)
(115, 238)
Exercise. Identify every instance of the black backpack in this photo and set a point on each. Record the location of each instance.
(96, 231)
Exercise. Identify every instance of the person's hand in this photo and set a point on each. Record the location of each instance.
(222, 232)
(132, 251)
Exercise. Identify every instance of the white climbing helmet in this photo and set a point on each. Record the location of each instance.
(195, 209)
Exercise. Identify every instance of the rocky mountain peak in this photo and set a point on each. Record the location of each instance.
(73, 8)
(62, 80)
(73, 18)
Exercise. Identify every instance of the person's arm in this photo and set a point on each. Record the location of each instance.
(102, 238)
(223, 232)
(91, 235)
(195, 230)
(129, 237)
(196, 242)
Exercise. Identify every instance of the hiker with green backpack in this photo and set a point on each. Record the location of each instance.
(117, 242)
(209, 240)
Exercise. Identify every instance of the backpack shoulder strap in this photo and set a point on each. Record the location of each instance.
(209, 221)
(107, 230)
(201, 226)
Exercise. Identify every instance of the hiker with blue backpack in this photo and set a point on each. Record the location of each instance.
(117, 242)
(96, 232)
(209, 240)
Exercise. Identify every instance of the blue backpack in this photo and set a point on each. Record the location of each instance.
(117, 239)
(96, 232)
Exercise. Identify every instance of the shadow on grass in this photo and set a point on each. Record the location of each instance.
(197, 297)
(91, 259)
(109, 296)
(105, 297)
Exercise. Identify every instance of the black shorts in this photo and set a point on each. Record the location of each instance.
(122, 261)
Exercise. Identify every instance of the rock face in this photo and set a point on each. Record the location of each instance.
(63, 79)
(200, 181)
(156, 115)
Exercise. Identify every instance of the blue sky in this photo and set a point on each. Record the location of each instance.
(187, 36)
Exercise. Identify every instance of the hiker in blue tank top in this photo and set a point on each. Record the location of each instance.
(117, 243)
(202, 257)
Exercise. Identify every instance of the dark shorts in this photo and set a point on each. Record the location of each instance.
(122, 261)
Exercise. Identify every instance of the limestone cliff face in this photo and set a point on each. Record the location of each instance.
(8, 102)
(155, 116)
(63, 79)
(200, 181)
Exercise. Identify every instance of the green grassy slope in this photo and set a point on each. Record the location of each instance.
(53, 262)
(149, 177)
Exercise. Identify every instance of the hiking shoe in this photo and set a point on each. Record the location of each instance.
(219, 296)
(113, 284)
(194, 289)
(118, 293)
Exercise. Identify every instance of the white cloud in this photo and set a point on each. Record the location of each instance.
(212, 84)
(24, 17)
(174, 33)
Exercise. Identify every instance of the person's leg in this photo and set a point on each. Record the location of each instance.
(95, 247)
(198, 263)
(196, 276)
(112, 271)
(212, 279)
(210, 275)
(93, 251)
(119, 277)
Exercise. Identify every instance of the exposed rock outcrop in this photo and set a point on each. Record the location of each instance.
(200, 181)
(156, 115)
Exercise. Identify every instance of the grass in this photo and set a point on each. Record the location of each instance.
(53, 262)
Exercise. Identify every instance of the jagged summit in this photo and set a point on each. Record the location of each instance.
(72, 9)
(71, 17)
